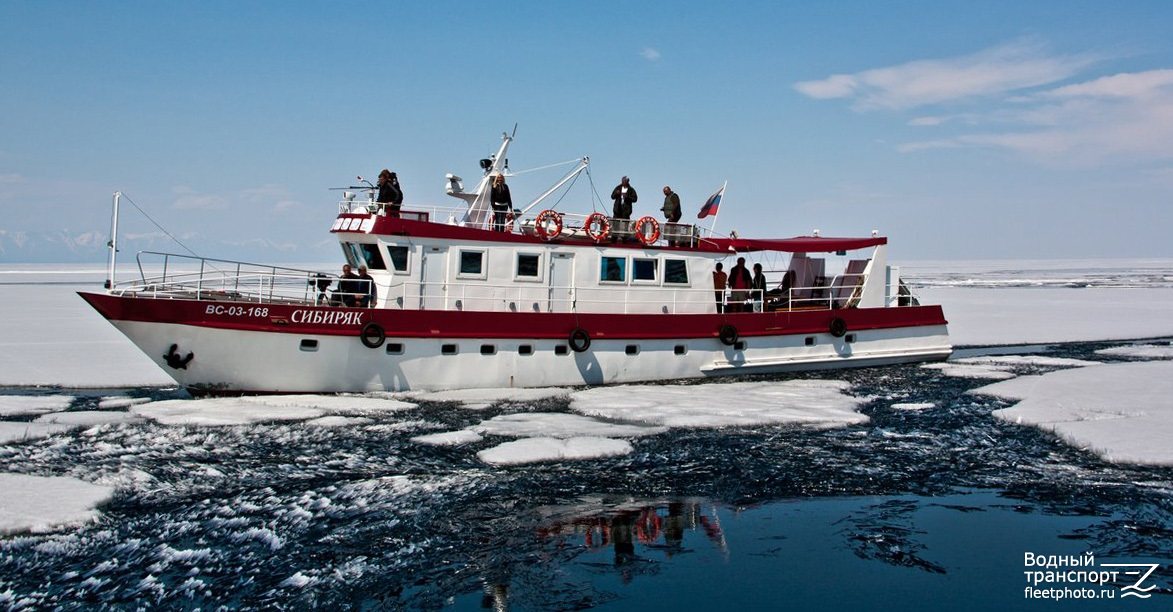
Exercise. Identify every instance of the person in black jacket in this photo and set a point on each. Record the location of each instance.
(624, 196)
(390, 195)
(501, 202)
(759, 288)
(348, 289)
(368, 297)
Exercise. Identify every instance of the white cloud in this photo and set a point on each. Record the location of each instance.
(649, 53)
(1122, 117)
(1010, 67)
(189, 199)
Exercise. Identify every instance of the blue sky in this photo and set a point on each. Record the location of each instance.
(960, 130)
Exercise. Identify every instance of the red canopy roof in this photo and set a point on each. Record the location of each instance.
(798, 244)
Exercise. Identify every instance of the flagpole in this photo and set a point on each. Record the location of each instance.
(713, 226)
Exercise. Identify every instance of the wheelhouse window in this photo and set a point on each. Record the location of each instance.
(398, 258)
(675, 272)
(643, 269)
(528, 267)
(613, 269)
(371, 254)
(472, 264)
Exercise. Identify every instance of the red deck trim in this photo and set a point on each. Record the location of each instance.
(397, 226)
(287, 319)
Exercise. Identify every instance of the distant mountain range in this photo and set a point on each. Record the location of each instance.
(64, 246)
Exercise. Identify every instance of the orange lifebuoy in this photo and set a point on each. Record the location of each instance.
(644, 237)
(604, 227)
(545, 220)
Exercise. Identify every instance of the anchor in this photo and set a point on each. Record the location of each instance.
(175, 361)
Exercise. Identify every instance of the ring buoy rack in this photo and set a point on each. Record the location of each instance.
(647, 238)
(372, 335)
(545, 220)
(597, 226)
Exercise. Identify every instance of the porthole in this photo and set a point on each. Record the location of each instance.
(810, 340)
(309, 346)
(525, 349)
(394, 348)
(448, 349)
(631, 349)
(680, 349)
(488, 349)
(739, 345)
(561, 349)
(849, 338)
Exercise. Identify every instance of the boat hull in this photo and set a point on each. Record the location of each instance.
(289, 348)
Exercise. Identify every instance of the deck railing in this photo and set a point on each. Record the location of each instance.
(171, 276)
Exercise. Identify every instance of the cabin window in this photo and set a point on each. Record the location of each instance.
(680, 349)
(643, 269)
(561, 349)
(809, 341)
(631, 349)
(849, 338)
(448, 349)
(488, 349)
(394, 348)
(528, 267)
(525, 349)
(309, 346)
(613, 269)
(371, 254)
(398, 258)
(675, 272)
(472, 264)
(350, 254)
(739, 345)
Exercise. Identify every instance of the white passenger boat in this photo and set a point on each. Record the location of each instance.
(557, 299)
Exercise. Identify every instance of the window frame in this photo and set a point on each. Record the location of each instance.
(484, 256)
(687, 279)
(406, 259)
(539, 278)
(655, 280)
(622, 270)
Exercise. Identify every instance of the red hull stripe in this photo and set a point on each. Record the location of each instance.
(314, 320)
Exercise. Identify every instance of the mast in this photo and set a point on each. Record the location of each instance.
(113, 244)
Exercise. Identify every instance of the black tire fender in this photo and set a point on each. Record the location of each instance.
(372, 335)
(579, 340)
(728, 335)
(838, 327)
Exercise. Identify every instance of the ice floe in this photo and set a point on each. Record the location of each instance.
(535, 450)
(246, 410)
(40, 504)
(1122, 412)
(1001, 367)
(449, 438)
(913, 406)
(20, 431)
(820, 403)
(88, 418)
(560, 425)
(11, 405)
(478, 399)
(1142, 351)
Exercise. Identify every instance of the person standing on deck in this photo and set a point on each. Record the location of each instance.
(719, 278)
(759, 288)
(390, 195)
(347, 292)
(671, 210)
(501, 202)
(624, 196)
(739, 284)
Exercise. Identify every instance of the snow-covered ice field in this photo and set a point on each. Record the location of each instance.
(108, 422)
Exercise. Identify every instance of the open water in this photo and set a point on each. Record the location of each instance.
(925, 509)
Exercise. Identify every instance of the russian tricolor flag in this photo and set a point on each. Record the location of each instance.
(712, 204)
